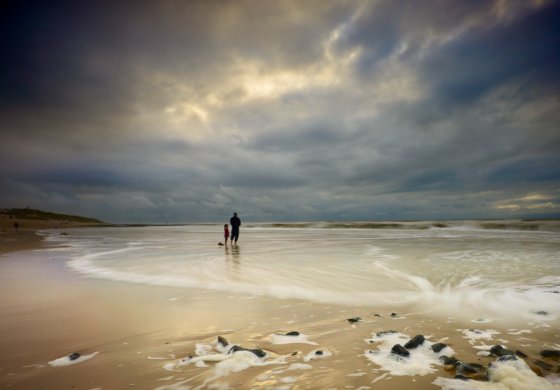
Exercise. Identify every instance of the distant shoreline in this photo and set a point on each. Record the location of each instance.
(26, 238)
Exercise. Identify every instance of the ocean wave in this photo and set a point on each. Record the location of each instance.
(472, 297)
(471, 273)
(514, 225)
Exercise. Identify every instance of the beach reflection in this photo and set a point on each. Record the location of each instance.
(233, 262)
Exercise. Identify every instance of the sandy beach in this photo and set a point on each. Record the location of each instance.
(24, 239)
(26, 236)
(155, 337)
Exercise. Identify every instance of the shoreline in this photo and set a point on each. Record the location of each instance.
(141, 335)
(27, 236)
(20, 241)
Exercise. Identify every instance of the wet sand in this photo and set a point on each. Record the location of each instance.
(26, 237)
(48, 312)
(137, 335)
(18, 241)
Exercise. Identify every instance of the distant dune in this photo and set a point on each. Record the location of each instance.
(34, 214)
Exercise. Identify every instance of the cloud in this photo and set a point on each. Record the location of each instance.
(185, 111)
(532, 202)
(464, 69)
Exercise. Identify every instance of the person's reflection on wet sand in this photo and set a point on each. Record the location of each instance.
(236, 253)
(233, 261)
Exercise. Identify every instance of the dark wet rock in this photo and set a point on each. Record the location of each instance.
(222, 341)
(438, 347)
(377, 315)
(258, 352)
(506, 358)
(293, 333)
(74, 356)
(415, 342)
(394, 315)
(461, 377)
(521, 354)
(498, 350)
(448, 361)
(541, 313)
(469, 368)
(385, 333)
(536, 369)
(319, 353)
(550, 354)
(400, 350)
(541, 367)
(353, 320)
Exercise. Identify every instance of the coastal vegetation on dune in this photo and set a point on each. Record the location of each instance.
(27, 213)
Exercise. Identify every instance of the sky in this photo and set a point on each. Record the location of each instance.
(175, 111)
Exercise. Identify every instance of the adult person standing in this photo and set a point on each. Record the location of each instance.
(235, 222)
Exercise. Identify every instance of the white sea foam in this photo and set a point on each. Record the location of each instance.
(476, 335)
(502, 375)
(482, 274)
(66, 361)
(421, 361)
(317, 355)
(222, 361)
(515, 332)
(202, 349)
(299, 366)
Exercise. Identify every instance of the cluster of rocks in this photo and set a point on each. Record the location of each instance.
(546, 363)
(478, 371)
(223, 350)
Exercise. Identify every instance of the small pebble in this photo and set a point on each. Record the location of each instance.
(74, 356)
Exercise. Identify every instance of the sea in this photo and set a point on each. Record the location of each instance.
(477, 270)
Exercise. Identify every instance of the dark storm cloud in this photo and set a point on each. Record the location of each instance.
(46, 49)
(306, 138)
(380, 28)
(467, 68)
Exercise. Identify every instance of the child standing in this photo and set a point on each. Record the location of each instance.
(226, 233)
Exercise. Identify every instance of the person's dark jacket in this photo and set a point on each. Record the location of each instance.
(235, 222)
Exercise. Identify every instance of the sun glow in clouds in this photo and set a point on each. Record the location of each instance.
(530, 202)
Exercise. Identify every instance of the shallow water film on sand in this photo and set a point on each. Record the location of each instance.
(470, 270)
